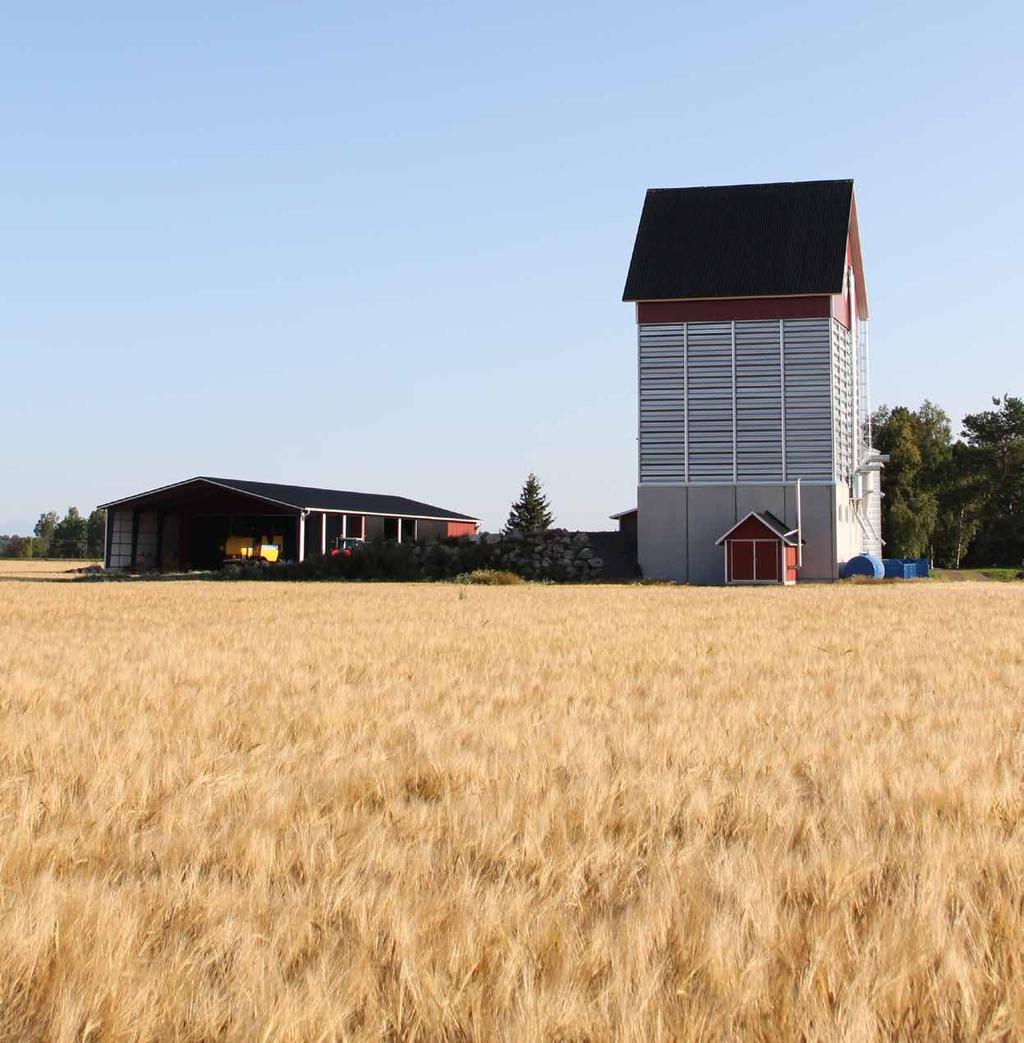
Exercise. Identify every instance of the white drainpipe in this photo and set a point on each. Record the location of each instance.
(799, 528)
(302, 535)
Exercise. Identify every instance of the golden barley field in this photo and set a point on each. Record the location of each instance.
(262, 812)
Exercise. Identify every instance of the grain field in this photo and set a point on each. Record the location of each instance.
(270, 812)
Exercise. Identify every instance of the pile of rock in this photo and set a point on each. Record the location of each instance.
(544, 554)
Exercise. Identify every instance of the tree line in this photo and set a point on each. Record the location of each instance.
(956, 501)
(73, 536)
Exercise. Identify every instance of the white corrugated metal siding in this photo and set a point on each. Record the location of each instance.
(844, 404)
(758, 401)
(720, 400)
(663, 403)
(709, 402)
(807, 349)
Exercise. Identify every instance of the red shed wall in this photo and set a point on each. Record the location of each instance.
(752, 529)
(740, 556)
(791, 559)
(768, 560)
(461, 528)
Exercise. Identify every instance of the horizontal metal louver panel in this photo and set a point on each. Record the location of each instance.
(662, 403)
(746, 401)
(709, 402)
(807, 358)
(758, 402)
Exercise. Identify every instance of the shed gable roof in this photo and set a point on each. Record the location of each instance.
(775, 526)
(786, 239)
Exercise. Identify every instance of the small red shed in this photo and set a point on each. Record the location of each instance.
(760, 548)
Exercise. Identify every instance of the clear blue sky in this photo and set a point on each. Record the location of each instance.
(382, 247)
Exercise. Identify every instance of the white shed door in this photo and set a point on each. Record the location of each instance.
(121, 540)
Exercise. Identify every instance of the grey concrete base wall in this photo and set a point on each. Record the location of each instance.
(661, 531)
(850, 537)
(819, 525)
(678, 526)
(710, 510)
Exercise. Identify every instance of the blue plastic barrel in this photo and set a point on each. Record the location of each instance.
(866, 565)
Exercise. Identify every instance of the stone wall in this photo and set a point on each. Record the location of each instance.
(544, 554)
(552, 554)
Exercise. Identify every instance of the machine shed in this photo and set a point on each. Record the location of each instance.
(760, 548)
(200, 522)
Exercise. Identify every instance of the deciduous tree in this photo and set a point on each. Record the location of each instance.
(69, 536)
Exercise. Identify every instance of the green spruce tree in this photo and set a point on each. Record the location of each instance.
(530, 511)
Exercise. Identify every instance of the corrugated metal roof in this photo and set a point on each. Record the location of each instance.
(741, 241)
(309, 497)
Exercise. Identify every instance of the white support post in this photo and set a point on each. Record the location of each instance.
(323, 534)
(302, 536)
(399, 530)
(344, 526)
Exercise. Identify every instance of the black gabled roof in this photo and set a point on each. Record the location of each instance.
(741, 241)
(773, 521)
(304, 496)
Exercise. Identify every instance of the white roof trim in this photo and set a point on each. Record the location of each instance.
(755, 514)
(282, 503)
(622, 514)
(190, 481)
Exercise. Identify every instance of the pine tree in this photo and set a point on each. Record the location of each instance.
(530, 511)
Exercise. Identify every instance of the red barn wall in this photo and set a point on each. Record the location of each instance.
(461, 528)
(725, 309)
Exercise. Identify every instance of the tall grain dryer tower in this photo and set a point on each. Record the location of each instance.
(755, 458)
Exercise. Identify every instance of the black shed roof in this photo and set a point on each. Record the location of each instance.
(742, 241)
(304, 497)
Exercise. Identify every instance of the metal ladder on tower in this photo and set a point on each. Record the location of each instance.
(867, 501)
